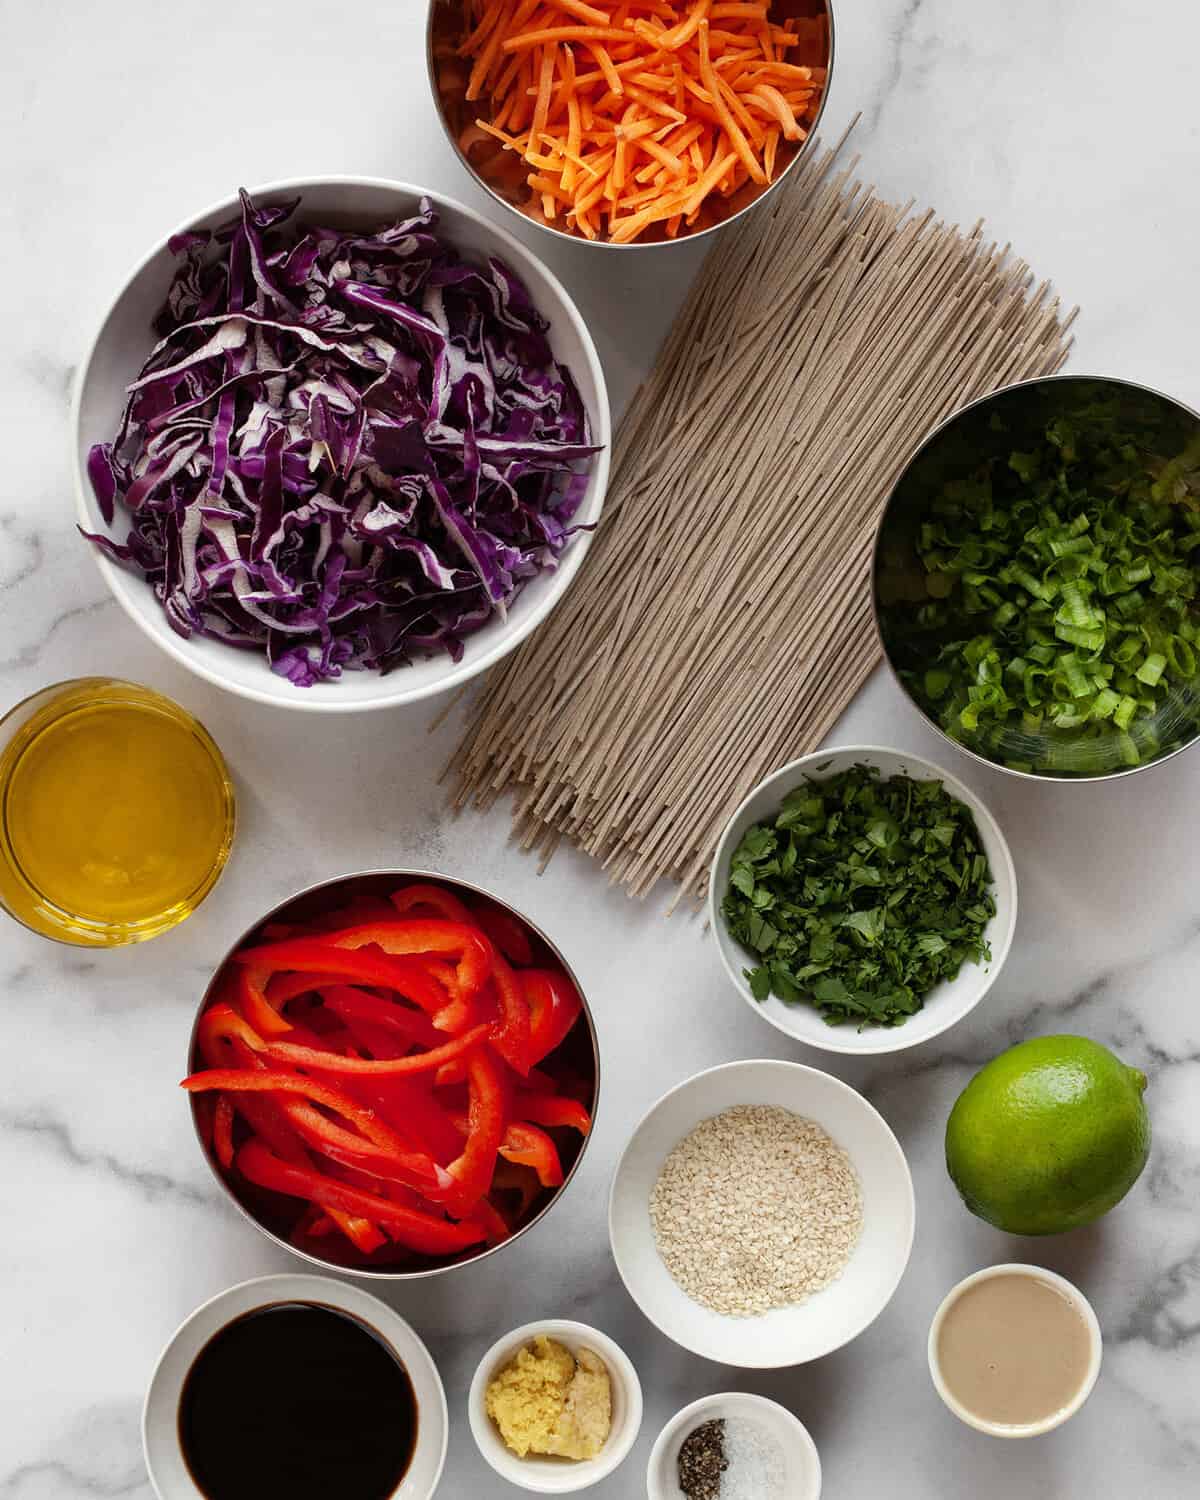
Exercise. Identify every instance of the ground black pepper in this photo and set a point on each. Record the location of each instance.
(702, 1461)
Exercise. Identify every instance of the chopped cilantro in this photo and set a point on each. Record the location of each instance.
(860, 896)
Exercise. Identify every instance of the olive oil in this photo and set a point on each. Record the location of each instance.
(117, 813)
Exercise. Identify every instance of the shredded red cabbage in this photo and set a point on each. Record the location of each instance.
(348, 450)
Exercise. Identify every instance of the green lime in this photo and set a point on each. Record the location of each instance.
(1048, 1136)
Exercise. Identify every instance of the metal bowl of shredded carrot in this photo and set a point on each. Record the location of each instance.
(628, 123)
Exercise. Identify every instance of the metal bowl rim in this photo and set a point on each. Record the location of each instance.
(931, 437)
(605, 244)
(434, 877)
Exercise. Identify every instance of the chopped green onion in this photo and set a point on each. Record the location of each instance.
(1062, 595)
(1151, 669)
(1125, 710)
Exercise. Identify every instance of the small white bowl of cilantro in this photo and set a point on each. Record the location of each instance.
(863, 900)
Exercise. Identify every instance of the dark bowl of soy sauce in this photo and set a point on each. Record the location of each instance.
(297, 1399)
(298, 1387)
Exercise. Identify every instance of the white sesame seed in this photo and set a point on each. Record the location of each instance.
(756, 1208)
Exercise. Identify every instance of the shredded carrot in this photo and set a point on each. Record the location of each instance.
(526, 40)
(671, 105)
(607, 67)
(583, 12)
(781, 109)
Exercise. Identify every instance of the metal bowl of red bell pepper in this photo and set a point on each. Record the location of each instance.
(394, 1073)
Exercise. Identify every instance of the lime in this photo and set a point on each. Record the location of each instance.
(1048, 1136)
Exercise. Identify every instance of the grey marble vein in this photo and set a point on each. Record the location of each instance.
(96, 1456)
(29, 655)
(55, 1479)
(1168, 1314)
(55, 1135)
(900, 37)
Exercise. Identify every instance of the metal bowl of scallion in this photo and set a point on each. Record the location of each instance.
(1037, 578)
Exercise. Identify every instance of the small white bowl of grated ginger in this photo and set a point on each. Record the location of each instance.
(555, 1406)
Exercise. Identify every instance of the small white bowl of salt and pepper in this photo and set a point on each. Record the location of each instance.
(734, 1446)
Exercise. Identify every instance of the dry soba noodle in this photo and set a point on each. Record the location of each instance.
(722, 621)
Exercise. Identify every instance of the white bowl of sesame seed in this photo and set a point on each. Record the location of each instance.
(762, 1214)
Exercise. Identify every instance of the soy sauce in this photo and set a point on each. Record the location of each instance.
(297, 1401)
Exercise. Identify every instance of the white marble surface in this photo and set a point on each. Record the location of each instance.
(1071, 125)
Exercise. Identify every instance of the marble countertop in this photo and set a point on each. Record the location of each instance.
(1071, 126)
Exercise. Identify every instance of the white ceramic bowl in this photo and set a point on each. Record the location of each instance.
(1095, 1340)
(830, 1318)
(558, 1476)
(124, 340)
(160, 1416)
(802, 1475)
(946, 1004)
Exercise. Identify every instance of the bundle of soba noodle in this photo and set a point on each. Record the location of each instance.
(722, 620)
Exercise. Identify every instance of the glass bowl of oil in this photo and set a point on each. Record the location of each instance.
(116, 813)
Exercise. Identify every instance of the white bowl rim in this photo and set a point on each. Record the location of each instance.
(886, 1038)
(621, 1368)
(713, 1403)
(460, 672)
(1034, 1273)
(347, 1297)
(792, 1067)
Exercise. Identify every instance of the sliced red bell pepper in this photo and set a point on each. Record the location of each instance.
(433, 898)
(274, 1081)
(486, 1120)
(223, 1132)
(426, 938)
(409, 935)
(441, 970)
(494, 1224)
(316, 1224)
(361, 1232)
(406, 1102)
(521, 1183)
(409, 1227)
(511, 1038)
(394, 1192)
(250, 998)
(409, 1105)
(401, 1022)
(370, 1067)
(221, 1023)
(269, 1123)
(528, 1146)
(348, 964)
(506, 933)
(552, 1110)
(282, 989)
(554, 1007)
(313, 1224)
(415, 1169)
(354, 913)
